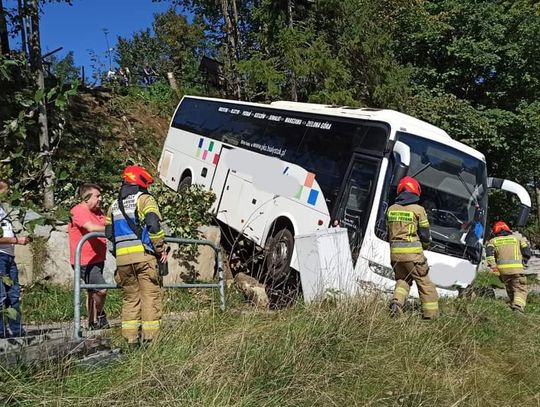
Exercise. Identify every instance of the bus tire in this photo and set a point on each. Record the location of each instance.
(279, 249)
(184, 184)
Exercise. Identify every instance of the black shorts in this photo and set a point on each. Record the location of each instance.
(93, 274)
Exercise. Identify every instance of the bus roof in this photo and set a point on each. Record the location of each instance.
(397, 121)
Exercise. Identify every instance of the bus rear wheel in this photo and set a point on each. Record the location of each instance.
(184, 184)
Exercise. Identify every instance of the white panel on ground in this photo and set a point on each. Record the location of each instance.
(325, 264)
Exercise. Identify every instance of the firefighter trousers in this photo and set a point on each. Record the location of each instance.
(141, 305)
(405, 273)
(516, 288)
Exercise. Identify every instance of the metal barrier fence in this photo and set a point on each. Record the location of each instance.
(218, 270)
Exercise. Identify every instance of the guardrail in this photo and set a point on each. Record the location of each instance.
(218, 270)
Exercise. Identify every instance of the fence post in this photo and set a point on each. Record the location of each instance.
(77, 284)
(77, 333)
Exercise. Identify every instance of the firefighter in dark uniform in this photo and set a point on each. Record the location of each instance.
(505, 254)
(409, 235)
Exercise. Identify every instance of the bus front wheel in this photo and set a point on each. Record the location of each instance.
(282, 282)
(279, 249)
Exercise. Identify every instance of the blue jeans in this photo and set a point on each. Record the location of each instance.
(10, 292)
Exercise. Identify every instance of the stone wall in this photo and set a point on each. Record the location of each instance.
(55, 266)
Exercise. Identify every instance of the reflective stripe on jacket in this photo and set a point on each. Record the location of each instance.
(404, 222)
(504, 252)
(129, 249)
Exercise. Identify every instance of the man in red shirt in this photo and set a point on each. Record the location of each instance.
(87, 217)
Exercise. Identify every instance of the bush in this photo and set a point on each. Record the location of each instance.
(532, 232)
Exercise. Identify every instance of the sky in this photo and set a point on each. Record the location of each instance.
(79, 27)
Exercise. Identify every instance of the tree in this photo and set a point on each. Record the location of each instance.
(32, 114)
(181, 44)
(4, 37)
(64, 69)
(36, 67)
(176, 47)
(136, 52)
(474, 74)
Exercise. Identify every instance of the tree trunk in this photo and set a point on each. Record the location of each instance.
(236, 50)
(4, 37)
(28, 28)
(36, 66)
(235, 31)
(172, 82)
(231, 47)
(21, 11)
(294, 91)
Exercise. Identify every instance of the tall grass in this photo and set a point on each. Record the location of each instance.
(46, 303)
(477, 354)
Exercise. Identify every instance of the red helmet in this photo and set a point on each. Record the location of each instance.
(499, 226)
(134, 174)
(409, 184)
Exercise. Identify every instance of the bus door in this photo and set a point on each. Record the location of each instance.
(219, 180)
(356, 198)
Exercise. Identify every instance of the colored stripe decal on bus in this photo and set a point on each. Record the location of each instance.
(204, 153)
(312, 198)
(310, 177)
(312, 194)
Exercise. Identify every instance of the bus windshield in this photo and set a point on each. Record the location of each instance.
(454, 195)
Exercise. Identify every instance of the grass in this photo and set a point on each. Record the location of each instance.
(44, 302)
(488, 279)
(478, 353)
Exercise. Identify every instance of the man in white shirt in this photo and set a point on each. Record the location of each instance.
(10, 289)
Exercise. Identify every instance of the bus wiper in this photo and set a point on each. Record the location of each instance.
(476, 204)
(422, 169)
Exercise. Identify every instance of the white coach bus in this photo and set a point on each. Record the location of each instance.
(287, 169)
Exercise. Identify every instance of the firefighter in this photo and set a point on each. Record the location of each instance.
(409, 235)
(505, 254)
(133, 225)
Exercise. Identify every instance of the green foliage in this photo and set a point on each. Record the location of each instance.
(159, 95)
(136, 52)
(64, 69)
(174, 47)
(183, 213)
(532, 232)
(19, 138)
(6, 172)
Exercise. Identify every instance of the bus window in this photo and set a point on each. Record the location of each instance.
(327, 153)
(281, 138)
(188, 116)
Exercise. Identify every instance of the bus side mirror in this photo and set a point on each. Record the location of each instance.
(402, 155)
(520, 191)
